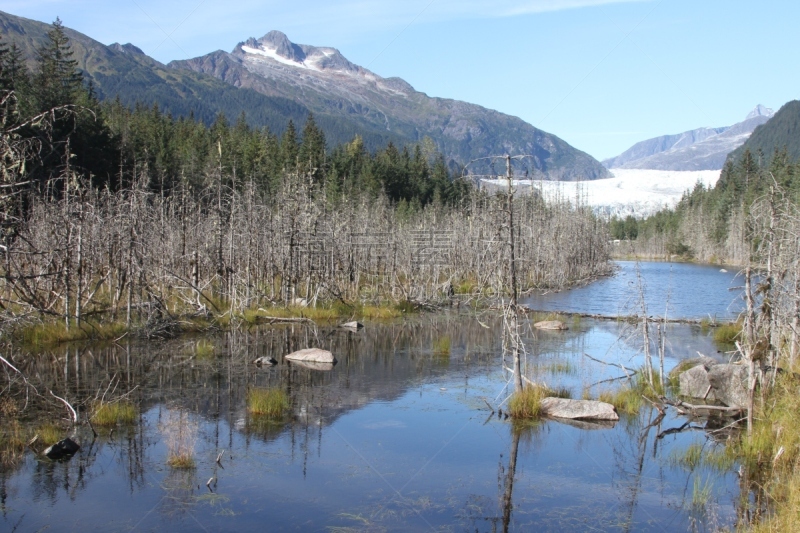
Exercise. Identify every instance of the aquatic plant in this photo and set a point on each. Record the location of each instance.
(204, 349)
(441, 346)
(12, 442)
(272, 403)
(180, 434)
(526, 403)
(626, 400)
(112, 413)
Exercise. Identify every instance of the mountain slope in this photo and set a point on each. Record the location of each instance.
(326, 82)
(125, 71)
(700, 149)
(781, 131)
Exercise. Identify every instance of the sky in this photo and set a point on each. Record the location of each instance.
(600, 74)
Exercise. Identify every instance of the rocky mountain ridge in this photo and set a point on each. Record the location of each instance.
(699, 149)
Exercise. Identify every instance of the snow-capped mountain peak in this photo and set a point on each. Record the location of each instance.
(760, 111)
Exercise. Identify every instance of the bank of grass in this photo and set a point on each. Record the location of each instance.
(629, 399)
(271, 403)
(13, 440)
(772, 455)
(54, 333)
(527, 403)
(108, 414)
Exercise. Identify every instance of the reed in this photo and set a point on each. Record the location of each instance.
(109, 414)
(272, 403)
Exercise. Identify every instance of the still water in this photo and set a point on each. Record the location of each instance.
(397, 437)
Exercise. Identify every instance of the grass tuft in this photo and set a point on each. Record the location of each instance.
(626, 400)
(12, 443)
(109, 414)
(527, 403)
(54, 333)
(728, 333)
(204, 349)
(180, 435)
(441, 346)
(272, 403)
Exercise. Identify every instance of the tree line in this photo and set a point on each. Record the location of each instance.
(132, 214)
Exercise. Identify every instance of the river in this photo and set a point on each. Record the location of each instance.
(397, 437)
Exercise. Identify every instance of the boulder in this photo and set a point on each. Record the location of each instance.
(266, 361)
(62, 449)
(300, 302)
(694, 383)
(692, 362)
(578, 409)
(550, 324)
(352, 326)
(729, 384)
(311, 355)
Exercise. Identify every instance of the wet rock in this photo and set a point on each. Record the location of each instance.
(578, 409)
(550, 324)
(694, 383)
(589, 425)
(62, 449)
(265, 361)
(352, 326)
(729, 384)
(312, 355)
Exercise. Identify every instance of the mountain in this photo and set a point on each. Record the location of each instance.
(781, 131)
(125, 71)
(323, 80)
(700, 149)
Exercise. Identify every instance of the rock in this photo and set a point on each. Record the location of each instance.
(62, 449)
(322, 367)
(300, 302)
(352, 326)
(265, 361)
(694, 383)
(590, 425)
(551, 324)
(313, 355)
(729, 384)
(578, 409)
(723, 270)
(686, 364)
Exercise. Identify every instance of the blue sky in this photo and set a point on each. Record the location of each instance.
(601, 74)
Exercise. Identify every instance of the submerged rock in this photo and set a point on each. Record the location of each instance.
(551, 324)
(62, 449)
(578, 409)
(313, 355)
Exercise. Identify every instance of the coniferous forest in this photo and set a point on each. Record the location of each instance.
(117, 213)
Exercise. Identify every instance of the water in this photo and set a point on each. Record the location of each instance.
(397, 437)
(683, 290)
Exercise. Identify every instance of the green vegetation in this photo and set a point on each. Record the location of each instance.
(441, 346)
(626, 400)
(12, 442)
(271, 403)
(728, 333)
(107, 414)
(180, 434)
(48, 334)
(48, 434)
(526, 404)
(204, 349)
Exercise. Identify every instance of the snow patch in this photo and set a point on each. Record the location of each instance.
(272, 54)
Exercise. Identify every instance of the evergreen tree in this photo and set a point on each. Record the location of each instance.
(58, 80)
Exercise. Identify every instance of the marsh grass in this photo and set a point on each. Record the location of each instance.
(540, 317)
(626, 400)
(107, 414)
(54, 333)
(48, 434)
(441, 347)
(12, 442)
(527, 403)
(271, 403)
(701, 494)
(204, 349)
(689, 458)
(561, 367)
(179, 431)
(728, 333)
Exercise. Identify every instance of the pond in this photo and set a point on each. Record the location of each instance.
(397, 437)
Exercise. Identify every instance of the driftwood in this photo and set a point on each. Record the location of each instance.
(678, 404)
(287, 320)
(627, 318)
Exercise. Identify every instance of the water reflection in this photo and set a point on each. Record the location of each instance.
(394, 437)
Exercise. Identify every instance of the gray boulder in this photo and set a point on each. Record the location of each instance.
(266, 361)
(352, 326)
(694, 383)
(578, 409)
(729, 384)
(311, 355)
(686, 364)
